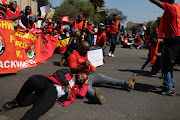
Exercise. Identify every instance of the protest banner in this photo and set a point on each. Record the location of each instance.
(48, 46)
(27, 48)
(96, 57)
(62, 45)
(8, 59)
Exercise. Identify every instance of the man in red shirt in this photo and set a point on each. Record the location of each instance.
(79, 23)
(114, 26)
(4, 16)
(169, 30)
(78, 62)
(90, 38)
(13, 12)
(101, 37)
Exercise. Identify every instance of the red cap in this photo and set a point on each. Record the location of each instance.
(80, 14)
(55, 31)
(61, 30)
(49, 30)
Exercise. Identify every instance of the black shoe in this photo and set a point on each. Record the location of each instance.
(9, 105)
(167, 92)
(173, 87)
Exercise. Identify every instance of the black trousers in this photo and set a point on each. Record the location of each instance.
(113, 43)
(171, 55)
(45, 91)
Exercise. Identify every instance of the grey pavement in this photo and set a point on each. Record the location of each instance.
(142, 103)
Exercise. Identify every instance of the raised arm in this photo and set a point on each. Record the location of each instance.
(157, 2)
(91, 32)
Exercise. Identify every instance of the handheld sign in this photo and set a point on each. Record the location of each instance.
(96, 57)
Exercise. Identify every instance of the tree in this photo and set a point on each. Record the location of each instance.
(72, 8)
(66, 10)
(119, 13)
(97, 3)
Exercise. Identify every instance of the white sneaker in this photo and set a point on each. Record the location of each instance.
(112, 55)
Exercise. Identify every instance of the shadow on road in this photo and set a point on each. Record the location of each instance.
(146, 88)
(56, 63)
(143, 58)
(139, 72)
(9, 74)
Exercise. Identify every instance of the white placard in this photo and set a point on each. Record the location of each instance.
(48, 9)
(38, 24)
(45, 10)
(96, 57)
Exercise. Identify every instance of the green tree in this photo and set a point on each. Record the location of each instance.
(97, 3)
(66, 9)
(119, 13)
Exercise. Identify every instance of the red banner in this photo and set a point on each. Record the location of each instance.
(48, 46)
(8, 59)
(20, 49)
(27, 48)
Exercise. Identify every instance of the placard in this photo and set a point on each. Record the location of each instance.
(96, 57)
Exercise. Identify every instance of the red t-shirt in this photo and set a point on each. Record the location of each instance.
(170, 28)
(125, 41)
(114, 27)
(138, 41)
(89, 27)
(11, 14)
(29, 25)
(75, 59)
(101, 38)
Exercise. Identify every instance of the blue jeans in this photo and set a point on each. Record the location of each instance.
(113, 43)
(90, 39)
(96, 79)
(168, 77)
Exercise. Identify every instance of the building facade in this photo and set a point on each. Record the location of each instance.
(35, 4)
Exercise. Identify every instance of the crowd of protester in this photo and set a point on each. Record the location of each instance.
(82, 36)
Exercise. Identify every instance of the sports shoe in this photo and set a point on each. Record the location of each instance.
(132, 82)
(9, 105)
(167, 92)
(98, 96)
(112, 55)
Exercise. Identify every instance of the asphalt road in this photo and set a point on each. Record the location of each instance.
(142, 103)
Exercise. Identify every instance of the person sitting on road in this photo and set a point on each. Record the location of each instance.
(72, 46)
(62, 87)
(78, 62)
